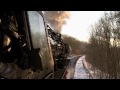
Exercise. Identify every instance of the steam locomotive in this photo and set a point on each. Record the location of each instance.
(29, 48)
(60, 49)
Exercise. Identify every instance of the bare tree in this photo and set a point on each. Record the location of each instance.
(104, 45)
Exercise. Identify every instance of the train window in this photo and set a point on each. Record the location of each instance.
(38, 36)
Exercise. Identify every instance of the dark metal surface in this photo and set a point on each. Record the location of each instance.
(31, 26)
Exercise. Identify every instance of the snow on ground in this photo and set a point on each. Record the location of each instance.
(84, 70)
(94, 72)
(80, 72)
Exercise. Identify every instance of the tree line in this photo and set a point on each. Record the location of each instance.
(77, 46)
(103, 49)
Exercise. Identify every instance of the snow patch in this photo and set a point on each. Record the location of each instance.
(80, 72)
(94, 72)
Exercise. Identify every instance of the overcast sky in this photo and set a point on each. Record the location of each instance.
(78, 25)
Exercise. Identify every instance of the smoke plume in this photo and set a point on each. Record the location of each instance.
(56, 19)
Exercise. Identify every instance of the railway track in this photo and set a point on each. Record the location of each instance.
(71, 65)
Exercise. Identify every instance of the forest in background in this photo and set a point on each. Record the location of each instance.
(78, 47)
(103, 50)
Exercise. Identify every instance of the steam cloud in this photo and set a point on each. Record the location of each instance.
(56, 19)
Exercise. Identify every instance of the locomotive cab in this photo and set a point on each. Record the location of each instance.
(24, 46)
